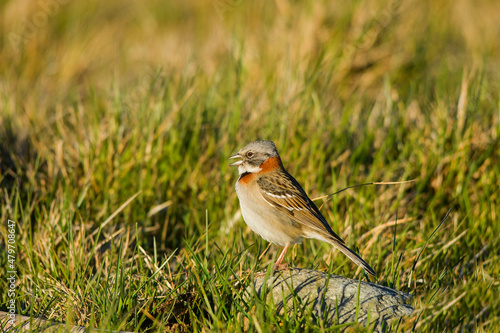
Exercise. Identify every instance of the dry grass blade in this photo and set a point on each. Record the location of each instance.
(113, 215)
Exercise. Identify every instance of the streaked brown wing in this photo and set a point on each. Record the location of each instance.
(281, 190)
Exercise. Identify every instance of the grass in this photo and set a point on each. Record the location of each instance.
(117, 120)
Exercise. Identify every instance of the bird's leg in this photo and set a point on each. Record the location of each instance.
(278, 265)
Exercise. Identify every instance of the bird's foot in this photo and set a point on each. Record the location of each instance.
(280, 267)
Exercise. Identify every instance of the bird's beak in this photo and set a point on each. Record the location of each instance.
(237, 162)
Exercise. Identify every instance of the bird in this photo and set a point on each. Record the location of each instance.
(275, 206)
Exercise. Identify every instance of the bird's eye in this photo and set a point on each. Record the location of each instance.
(249, 154)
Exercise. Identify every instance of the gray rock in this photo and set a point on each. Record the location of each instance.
(334, 298)
(27, 324)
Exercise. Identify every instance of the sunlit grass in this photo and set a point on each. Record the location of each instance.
(117, 120)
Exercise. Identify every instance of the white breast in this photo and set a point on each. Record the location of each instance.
(261, 217)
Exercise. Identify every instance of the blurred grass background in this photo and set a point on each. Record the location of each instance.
(103, 101)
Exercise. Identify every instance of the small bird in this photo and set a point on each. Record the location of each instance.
(275, 206)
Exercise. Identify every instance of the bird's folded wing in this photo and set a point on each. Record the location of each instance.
(285, 193)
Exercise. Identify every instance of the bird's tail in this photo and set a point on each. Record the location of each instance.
(352, 255)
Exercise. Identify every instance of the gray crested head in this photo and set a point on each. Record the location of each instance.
(253, 155)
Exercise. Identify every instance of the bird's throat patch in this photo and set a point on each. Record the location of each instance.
(246, 178)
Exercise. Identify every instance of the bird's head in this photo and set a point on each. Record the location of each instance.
(253, 155)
